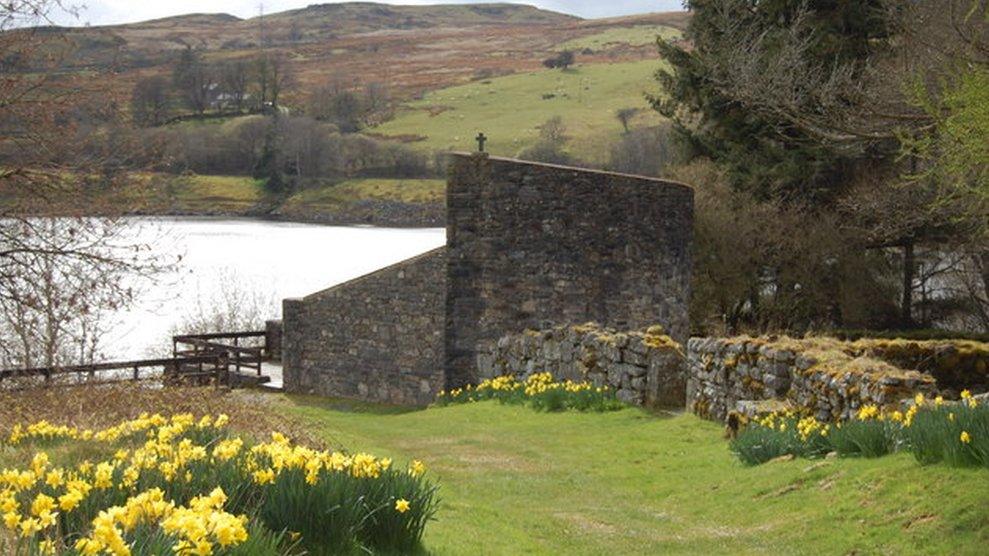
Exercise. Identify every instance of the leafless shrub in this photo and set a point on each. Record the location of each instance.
(550, 147)
(646, 152)
(65, 259)
(59, 279)
(625, 116)
(150, 101)
(769, 266)
(235, 306)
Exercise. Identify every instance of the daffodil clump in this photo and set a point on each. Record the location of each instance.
(187, 486)
(933, 430)
(539, 391)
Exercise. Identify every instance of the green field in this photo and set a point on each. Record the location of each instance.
(509, 109)
(638, 35)
(245, 195)
(406, 191)
(221, 193)
(514, 481)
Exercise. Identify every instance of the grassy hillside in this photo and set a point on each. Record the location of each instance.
(382, 202)
(148, 193)
(222, 193)
(245, 195)
(623, 36)
(514, 481)
(405, 191)
(509, 109)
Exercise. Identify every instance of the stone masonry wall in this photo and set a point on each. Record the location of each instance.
(646, 368)
(726, 375)
(273, 338)
(377, 338)
(532, 246)
(955, 364)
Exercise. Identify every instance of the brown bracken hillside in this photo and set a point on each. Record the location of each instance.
(412, 49)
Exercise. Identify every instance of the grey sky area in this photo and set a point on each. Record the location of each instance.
(107, 12)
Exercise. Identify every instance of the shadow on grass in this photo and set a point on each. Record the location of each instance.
(662, 413)
(350, 406)
(357, 406)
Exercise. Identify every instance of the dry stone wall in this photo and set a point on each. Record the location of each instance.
(533, 246)
(645, 368)
(377, 338)
(726, 375)
(955, 364)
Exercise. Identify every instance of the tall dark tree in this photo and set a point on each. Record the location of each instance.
(271, 161)
(765, 151)
(347, 108)
(194, 80)
(807, 101)
(272, 76)
(150, 102)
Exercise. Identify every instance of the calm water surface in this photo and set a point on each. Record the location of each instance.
(250, 261)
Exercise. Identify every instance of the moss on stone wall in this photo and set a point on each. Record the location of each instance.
(644, 367)
(830, 378)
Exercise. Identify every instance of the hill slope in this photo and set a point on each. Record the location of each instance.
(411, 49)
(510, 109)
(363, 17)
(311, 24)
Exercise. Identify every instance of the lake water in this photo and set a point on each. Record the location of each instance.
(251, 264)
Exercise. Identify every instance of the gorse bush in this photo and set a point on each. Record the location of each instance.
(157, 485)
(538, 391)
(932, 430)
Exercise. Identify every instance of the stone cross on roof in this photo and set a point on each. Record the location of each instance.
(481, 139)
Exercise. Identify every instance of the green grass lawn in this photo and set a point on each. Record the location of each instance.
(228, 193)
(509, 109)
(240, 194)
(166, 192)
(514, 481)
(404, 190)
(637, 35)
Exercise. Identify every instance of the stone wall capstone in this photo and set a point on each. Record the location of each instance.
(376, 338)
(644, 368)
(532, 246)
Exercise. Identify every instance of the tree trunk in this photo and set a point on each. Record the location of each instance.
(909, 273)
(984, 269)
(980, 260)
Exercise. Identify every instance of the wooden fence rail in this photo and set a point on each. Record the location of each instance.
(222, 335)
(203, 357)
(240, 357)
(170, 365)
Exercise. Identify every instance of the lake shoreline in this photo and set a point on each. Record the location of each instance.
(413, 221)
(392, 203)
